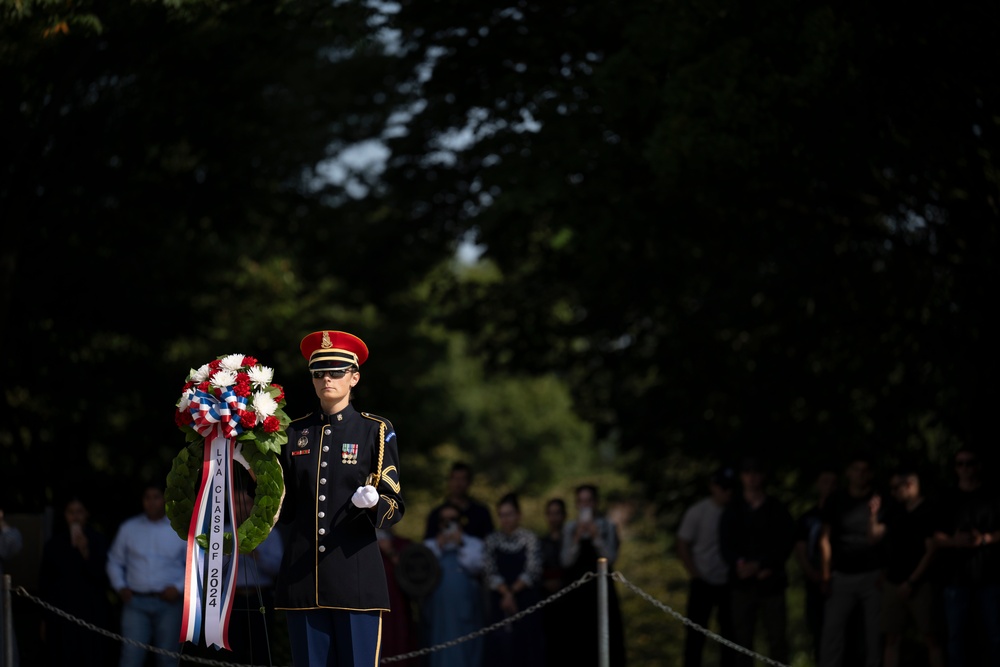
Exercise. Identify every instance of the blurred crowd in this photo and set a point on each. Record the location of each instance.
(469, 570)
(893, 575)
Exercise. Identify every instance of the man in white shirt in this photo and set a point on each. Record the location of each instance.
(146, 566)
(698, 549)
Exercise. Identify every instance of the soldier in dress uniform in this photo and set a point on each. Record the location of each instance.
(341, 484)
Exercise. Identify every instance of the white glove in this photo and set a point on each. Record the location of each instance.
(365, 496)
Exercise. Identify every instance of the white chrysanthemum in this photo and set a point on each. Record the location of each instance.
(232, 362)
(263, 405)
(224, 378)
(185, 401)
(199, 375)
(261, 376)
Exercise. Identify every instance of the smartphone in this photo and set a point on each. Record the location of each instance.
(586, 514)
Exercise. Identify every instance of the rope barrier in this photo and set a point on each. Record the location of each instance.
(485, 631)
(616, 576)
(107, 633)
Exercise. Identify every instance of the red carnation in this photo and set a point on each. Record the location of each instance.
(249, 361)
(182, 418)
(205, 387)
(248, 419)
(281, 392)
(187, 385)
(242, 386)
(272, 424)
(215, 364)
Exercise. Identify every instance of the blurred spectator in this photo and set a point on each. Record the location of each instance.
(399, 630)
(906, 525)
(475, 516)
(512, 563)
(146, 566)
(587, 538)
(11, 542)
(72, 578)
(851, 566)
(553, 578)
(757, 534)
(455, 608)
(251, 621)
(554, 614)
(699, 551)
(808, 528)
(968, 536)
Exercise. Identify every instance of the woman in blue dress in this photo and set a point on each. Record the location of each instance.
(455, 608)
(512, 563)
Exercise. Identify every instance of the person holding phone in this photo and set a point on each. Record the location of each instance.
(595, 535)
(455, 608)
(72, 578)
(586, 539)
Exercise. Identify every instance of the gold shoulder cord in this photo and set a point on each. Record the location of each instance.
(375, 477)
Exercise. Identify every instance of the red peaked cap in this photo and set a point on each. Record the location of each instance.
(333, 349)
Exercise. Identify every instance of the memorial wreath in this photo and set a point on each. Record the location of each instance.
(234, 397)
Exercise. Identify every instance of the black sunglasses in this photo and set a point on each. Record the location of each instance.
(334, 375)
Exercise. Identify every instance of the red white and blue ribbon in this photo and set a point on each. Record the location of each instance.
(210, 577)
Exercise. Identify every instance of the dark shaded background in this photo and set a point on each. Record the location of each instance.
(721, 227)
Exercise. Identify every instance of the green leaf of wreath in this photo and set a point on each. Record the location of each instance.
(183, 483)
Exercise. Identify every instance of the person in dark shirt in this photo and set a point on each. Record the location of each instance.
(553, 578)
(476, 517)
(851, 565)
(554, 614)
(756, 536)
(968, 537)
(906, 526)
(808, 528)
(72, 578)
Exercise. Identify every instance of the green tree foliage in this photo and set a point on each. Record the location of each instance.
(725, 226)
(721, 226)
(167, 197)
(163, 203)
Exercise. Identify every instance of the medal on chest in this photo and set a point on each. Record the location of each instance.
(302, 444)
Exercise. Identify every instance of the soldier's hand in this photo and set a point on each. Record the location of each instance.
(365, 497)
